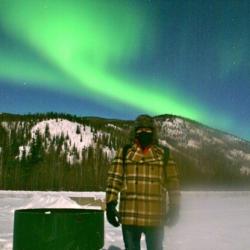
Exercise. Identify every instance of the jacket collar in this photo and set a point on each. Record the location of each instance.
(135, 153)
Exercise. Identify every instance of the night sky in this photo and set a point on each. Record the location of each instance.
(120, 58)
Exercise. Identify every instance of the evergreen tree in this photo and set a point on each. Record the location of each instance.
(78, 130)
(36, 148)
(47, 132)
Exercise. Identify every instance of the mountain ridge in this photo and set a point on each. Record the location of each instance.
(92, 118)
(55, 142)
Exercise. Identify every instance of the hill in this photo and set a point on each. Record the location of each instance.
(63, 152)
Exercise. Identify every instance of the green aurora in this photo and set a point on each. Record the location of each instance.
(81, 48)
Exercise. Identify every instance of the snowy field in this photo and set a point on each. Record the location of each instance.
(208, 220)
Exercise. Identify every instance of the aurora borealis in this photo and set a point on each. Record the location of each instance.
(119, 58)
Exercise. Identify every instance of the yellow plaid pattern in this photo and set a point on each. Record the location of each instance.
(142, 186)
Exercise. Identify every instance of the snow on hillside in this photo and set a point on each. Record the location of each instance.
(65, 127)
(183, 132)
(5, 125)
(232, 138)
(113, 126)
(174, 132)
(164, 143)
(190, 135)
(240, 154)
(173, 127)
(78, 137)
(11, 125)
(193, 144)
(245, 170)
(22, 150)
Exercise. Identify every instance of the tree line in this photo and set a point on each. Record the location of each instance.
(45, 165)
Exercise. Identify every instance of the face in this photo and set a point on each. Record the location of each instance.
(144, 136)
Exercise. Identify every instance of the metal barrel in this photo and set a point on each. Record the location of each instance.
(58, 229)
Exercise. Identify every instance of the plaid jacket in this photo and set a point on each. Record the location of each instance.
(142, 186)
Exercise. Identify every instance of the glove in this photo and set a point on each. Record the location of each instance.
(172, 216)
(113, 216)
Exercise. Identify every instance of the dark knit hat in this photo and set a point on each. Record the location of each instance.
(144, 121)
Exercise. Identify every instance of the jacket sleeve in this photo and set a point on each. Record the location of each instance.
(173, 183)
(115, 178)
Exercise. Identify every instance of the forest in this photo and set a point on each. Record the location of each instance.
(54, 162)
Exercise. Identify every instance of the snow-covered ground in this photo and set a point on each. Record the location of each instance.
(208, 220)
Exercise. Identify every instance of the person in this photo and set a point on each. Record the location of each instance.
(144, 182)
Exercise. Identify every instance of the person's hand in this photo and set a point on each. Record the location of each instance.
(113, 216)
(172, 216)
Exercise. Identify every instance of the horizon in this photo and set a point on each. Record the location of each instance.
(127, 120)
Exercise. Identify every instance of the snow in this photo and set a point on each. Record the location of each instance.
(51, 201)
(240, 154)
(109, 152)
(113, 126)
(173, 127)
(245, 170)
(12, 200)
(62, 126)
(193, 144)
(208, 220)
(165, 143)
(169, 123)
(217, 141)
(80, 140)
(6, 125)
(232, 138)
(23, 149)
